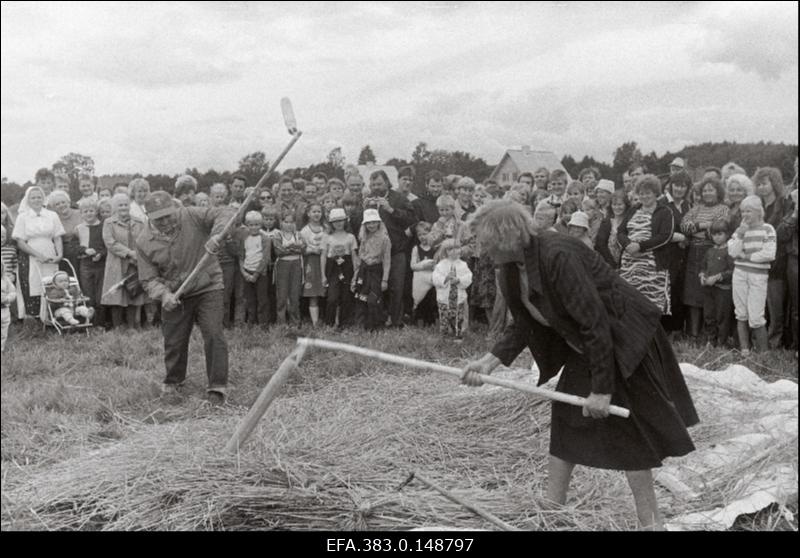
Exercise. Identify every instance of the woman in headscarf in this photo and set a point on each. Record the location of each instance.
(59, 202)
(38, 232)
(120, 232)
(572, 310)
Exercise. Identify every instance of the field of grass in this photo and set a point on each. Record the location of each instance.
(64, 397)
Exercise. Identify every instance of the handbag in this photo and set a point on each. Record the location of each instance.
(132, 285)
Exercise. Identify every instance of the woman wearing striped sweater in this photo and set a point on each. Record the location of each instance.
(753, 246)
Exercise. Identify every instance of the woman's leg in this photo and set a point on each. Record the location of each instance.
(644, 496)
(559, 475)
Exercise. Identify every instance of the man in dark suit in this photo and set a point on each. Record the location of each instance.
(572, 310)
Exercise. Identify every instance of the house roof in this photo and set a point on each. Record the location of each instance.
(528, 160)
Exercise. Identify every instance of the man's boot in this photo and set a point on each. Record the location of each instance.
(760, 339)
(744, 337)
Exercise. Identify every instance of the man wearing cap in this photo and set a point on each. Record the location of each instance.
(397, 215)
(677, 165)
(168, 250)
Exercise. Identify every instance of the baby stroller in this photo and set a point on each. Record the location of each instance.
(77, 298)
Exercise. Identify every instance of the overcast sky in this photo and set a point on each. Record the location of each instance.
(156, 88)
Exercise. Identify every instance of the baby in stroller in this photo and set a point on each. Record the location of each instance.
(66, 300)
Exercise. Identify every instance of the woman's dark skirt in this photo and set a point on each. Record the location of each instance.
(661, 410)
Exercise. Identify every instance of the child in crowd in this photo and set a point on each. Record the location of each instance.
(557, 187)
(570, 206)
(339, 258)
(371, 275)
(7, 298)
(201, 199)
(66, 300)
(753, 246)
(423, 260)
(328, 202)
(86, 187)
(715, 277)
(451, 277)
(447, 226)
(91, 255)
(313, 236)
(255, 247)
(578, 227)
(544, 217)
(596, 216)
(336, 188)
(9, 255)
(270, 219)
(576, 192)
(350, 204)
(104, 193)
(104, 209)
(288, 274)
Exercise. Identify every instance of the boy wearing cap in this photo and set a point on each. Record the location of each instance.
(338, 260)
(168, 249)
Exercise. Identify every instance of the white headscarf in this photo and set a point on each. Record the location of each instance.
(24, 205)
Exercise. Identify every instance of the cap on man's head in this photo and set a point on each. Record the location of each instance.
(606, 185)
(678, 162)
(159, 204)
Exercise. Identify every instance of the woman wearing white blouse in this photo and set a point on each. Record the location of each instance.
(38, 232)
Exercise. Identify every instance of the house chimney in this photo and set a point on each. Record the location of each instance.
(526, 149)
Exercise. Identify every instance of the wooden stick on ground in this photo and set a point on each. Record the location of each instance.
(249, 422)
(471, 507)
(423, 365)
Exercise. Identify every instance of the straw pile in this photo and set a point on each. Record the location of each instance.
(330, 459)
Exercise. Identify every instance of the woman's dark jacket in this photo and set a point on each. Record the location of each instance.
(588, 306)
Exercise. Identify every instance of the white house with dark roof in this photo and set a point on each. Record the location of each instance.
(517, 161)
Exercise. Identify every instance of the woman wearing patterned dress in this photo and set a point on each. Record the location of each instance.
(645, 235)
